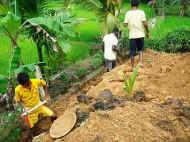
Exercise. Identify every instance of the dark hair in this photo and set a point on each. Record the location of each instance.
(23, 78)
(134, 3)
(115, 30)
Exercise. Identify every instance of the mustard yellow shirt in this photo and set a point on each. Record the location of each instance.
(29, 97)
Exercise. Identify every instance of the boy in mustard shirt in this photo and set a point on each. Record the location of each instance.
(27, 94)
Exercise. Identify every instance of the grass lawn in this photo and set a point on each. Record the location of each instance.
(90, 28)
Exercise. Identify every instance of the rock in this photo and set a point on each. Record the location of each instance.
(100, 105)
(185, 121)
(139, 96)
(106, 95)
(175, 103)
(84, 99)
(186, 112)
(81, 117)
(166, 125)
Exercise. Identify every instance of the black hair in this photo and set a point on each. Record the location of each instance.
(23, 78)
(115, 30)
(134, 3)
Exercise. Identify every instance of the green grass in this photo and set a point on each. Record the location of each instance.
(169, 24)
(88, 31)
(90, 27)
(78, 51)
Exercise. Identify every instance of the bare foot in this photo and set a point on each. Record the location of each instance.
(141, 65)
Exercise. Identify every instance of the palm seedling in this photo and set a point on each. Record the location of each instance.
(130, 82)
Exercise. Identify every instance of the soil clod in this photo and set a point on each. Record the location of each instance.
(139, 96)
(84, 99)
(106, 95)
(166, 125)
(81, 117)
(186, 112)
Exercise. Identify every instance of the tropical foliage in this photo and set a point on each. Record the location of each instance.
(130, 82)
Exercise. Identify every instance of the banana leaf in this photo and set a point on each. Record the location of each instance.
(15, 61)
(3, 79)
(28, 67)
(10, 24)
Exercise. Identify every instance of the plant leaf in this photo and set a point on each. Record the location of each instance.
(3, 78)
(15, 61)
(129, 83)
(10, 24)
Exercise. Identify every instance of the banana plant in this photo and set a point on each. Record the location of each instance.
(9, 26)
(130, 82)
(49, 32)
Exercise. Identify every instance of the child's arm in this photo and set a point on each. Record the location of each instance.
(114, 48)
(47, 97)
(43, 84)
(145, 23)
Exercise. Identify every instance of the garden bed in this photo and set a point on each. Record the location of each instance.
(162, 114)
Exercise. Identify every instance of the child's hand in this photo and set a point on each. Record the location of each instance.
(115, 49)
(148, 35)
(47, 98)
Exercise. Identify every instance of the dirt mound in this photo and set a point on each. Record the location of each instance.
(161, 113)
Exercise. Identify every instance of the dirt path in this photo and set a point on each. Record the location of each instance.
(163, 117)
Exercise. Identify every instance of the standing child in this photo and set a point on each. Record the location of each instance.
(27, 94)
(110, 49)
(138, 27)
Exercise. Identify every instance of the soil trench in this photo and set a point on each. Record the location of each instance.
(161, 114)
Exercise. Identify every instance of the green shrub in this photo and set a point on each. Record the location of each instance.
(65, 77)
(97, 60)
(124, 44)
(81, 72)
(10, 127)
(177, 41)
(77, 52)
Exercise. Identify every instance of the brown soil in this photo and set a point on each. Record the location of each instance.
(164, 116)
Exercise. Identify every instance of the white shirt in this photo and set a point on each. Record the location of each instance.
(109, 41)
(135, 19)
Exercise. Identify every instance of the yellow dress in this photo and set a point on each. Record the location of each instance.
(30, 98)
